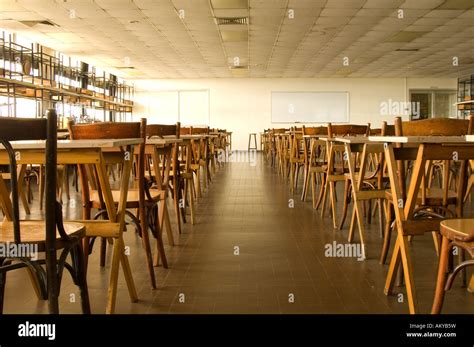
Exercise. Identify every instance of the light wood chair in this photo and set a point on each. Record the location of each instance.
(441, 199)
(92, 195)
(457, 233)
(336, 168)
(296, 156)
(315, 163)
(48, 236)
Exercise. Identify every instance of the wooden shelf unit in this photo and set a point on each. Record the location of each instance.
(465, 93)
(42, 75)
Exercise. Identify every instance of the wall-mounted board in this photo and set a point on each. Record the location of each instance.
(310, 107)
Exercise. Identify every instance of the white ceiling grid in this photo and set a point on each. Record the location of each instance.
(156, 39)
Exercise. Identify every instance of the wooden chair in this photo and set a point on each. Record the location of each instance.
(336, 168)
(181, 177)
(314, 160)
(50, 235)
(296, 156)
(455, 233)
(140, 198)
(373, 177)
(439, 199)
(202, 153)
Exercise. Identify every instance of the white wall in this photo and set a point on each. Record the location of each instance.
(244, 105)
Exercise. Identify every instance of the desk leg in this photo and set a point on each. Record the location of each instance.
(401, 250)
(20, 177)
(118, 216)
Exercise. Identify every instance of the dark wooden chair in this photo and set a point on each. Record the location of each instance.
(49, 236)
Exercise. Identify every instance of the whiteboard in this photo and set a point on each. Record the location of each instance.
(190, 107)
(310, 107)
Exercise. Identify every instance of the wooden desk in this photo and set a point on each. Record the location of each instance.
(93, 152)
(420, 149)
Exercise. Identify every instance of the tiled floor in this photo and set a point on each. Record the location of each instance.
(281, 265)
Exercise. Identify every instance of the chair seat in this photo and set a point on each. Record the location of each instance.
(133, 197)
(33, 231)
(458, 229)
(434, 197)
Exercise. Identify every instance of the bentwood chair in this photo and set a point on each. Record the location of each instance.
(179, 179)
(296, 156)
(337, 170)
(139, 198)
(456, 233)
(440, 200)
(47, 236)
(314, 160)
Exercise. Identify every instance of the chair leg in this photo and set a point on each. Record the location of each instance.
(160, 254)
(322, 191)
(191, 201)
(82, 279)
(387, 233)
(3, 280)
(66, 181)
(380, 210)
(306, 179)
(292, 178)
(41, 186)
(164, 219)
(332, 193)
(313, 189)
(436, 241)
(442, 276)
(347, 186)
(103, 251)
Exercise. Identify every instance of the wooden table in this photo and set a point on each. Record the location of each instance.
(93, 152)
(420, 149)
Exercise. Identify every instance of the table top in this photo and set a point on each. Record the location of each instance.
(419, 139)
(469, 138)
(314, 136)
(352, 139)
(162, 141)
(74, 144)
(192, 137)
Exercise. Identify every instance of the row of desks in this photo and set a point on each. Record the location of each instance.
(420, 149)
(97, 153)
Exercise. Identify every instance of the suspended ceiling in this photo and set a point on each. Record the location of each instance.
(270, 38)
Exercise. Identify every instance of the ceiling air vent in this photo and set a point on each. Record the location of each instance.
(32, 23)
(232, 21)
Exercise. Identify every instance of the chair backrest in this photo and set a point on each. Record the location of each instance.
(162, 130)
(12, 129)
(348, 130)
(105, 130)
(108, 130)
(433, 127)
(185, 131)
(279, 130)
(315, 130)
(199, 131)
(387, 130)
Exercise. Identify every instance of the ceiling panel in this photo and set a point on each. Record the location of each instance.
(281, 38)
